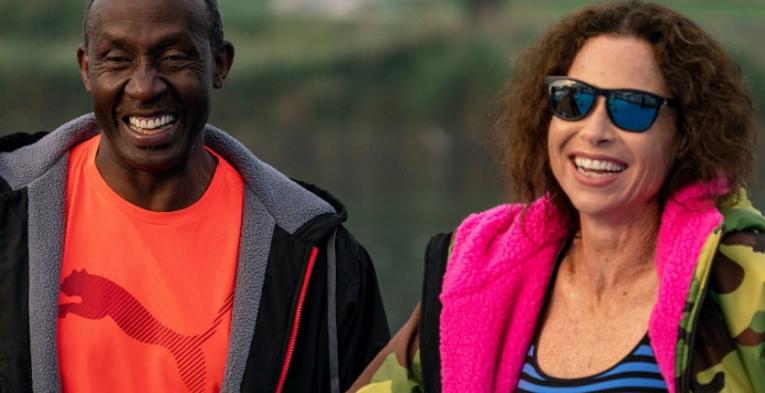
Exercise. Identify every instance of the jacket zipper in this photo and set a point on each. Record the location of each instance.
(296, 320)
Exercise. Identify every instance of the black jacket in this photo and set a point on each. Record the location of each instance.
(279, 330)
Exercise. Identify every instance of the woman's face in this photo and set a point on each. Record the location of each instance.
(636, 164)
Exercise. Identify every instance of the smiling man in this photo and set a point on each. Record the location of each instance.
(144, 250)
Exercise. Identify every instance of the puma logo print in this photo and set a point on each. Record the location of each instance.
(103, 298)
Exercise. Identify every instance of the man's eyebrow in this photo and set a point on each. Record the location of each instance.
(183, 37)
(106, 37)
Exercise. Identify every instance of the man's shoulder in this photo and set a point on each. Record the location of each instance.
(25, 157)
(15, 141)
(291, 204)
(11, 142)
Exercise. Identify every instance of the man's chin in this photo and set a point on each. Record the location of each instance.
(154, 160)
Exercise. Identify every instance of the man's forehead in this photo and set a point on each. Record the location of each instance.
(192, 12)
(164, 3)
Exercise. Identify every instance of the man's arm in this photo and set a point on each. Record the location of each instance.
(397, 367)
(362, 324)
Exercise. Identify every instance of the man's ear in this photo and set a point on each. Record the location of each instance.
(224, 58)
(83, 60)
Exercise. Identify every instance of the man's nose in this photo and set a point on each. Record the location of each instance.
(597, 128)
(145, 83)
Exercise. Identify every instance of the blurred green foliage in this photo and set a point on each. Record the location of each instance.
(389, 108)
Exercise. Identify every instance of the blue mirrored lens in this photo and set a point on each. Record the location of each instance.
(570, 100)
(633, 111)
(584, 101)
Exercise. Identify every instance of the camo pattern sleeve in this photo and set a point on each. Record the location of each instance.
(729, 350)
(397, 368)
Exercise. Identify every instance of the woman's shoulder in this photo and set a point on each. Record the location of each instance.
(486, 244)
(740, 215)
(743, 237)
(493, 220)
(741, 251)
(482, 229)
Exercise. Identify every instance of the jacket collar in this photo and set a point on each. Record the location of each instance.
(499, 271)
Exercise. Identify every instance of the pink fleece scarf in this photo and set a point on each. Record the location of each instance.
(498, 274)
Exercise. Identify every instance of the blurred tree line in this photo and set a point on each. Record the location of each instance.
(389, 107)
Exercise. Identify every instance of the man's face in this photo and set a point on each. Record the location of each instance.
(150, 70)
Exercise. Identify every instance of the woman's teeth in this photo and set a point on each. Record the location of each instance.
(150, 125)
(598, 168)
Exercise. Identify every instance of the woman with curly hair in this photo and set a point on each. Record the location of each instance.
(634, 261)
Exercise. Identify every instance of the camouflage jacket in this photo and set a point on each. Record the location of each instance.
(718, 344)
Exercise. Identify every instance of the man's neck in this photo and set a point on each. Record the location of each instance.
(169, 190)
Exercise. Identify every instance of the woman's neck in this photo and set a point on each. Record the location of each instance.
(615, 253)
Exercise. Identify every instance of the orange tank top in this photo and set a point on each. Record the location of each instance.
(146, 297)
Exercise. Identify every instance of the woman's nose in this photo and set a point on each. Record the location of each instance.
(597, 128)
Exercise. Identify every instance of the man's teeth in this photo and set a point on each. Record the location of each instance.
(602, 167)
(150, 123)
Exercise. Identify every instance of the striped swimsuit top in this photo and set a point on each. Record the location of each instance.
(637, 372)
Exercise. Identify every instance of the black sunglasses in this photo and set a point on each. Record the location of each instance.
(629, 109)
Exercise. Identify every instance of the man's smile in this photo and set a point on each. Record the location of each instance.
(151, 130)
(151, 125)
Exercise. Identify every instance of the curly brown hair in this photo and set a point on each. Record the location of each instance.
(715, 129)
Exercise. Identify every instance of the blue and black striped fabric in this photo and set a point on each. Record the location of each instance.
(637, 372)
